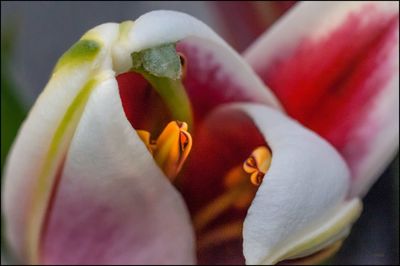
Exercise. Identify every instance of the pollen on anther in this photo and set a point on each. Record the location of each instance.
(257, 164)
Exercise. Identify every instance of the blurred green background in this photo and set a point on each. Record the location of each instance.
(35, 34)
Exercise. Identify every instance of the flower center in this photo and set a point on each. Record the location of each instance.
(171, 149)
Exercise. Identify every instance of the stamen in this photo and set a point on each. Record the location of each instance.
(239, 192)
(221, 234)
(258, 164)
(216, 208)
(172, 147)
(237, 177)
(145, 137)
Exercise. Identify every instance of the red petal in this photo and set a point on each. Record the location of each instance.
(331, 85)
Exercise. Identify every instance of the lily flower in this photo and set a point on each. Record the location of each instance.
(154, 140)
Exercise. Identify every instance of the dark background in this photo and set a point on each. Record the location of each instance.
(35, 34)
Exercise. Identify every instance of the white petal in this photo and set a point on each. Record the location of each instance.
(23, 195)
(114, 190)
(301, 204)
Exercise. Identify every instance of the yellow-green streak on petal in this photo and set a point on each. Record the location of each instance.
(124, 28)
(83, 51)
(44, 186)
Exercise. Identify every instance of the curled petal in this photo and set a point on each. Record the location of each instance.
(334, 66)
(301, 205)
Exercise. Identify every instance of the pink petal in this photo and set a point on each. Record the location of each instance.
(113, 204)
(334, 66)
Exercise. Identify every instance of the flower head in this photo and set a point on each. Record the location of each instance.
(153, 140)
